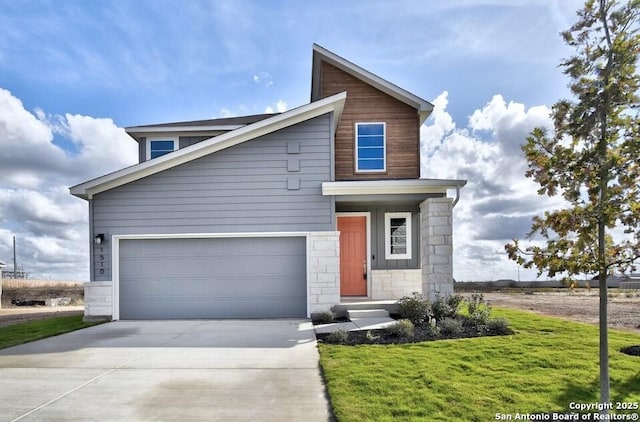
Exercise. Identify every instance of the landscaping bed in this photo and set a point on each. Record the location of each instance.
(420, 319)
(420, 334)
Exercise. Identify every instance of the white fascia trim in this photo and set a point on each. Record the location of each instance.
(161, 129)
(115, 255)
(335, 104)
(206, 235)
(390, 187)
(424, 107)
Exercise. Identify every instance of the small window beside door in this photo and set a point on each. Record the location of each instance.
(397, 239)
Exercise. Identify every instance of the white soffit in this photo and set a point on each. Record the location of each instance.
(391, 187)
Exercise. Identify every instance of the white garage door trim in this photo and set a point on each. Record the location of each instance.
(115, 254)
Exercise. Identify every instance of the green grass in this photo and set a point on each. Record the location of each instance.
(545, 366)
(25, 332)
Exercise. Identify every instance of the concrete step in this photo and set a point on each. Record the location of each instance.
(341, 309)
(367, 313)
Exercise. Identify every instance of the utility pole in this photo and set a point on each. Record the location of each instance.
(15, 266)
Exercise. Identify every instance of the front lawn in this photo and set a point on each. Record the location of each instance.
(25, 332)
(547, 365)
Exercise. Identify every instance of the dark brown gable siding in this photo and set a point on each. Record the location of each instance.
(367, 104)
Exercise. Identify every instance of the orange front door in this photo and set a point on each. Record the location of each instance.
(353, 255)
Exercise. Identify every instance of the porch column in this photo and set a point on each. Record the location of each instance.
(436, 246)
(324, 271)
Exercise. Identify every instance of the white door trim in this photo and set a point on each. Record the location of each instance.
(366, 214)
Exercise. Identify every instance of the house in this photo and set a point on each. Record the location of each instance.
(273, 215)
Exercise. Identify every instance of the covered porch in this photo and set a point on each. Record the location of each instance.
(395, 239)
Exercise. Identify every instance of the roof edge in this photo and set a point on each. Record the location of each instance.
(320, 53)
(221, 122)
(335, 104)
(158, 129)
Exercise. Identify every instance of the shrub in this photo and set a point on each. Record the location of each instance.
(338, 337)
(446, 307)
(401, 328)
(433, 329)
(369, 335)
(451, 327)
(325, 317)
(479, 312)
(499, 326)
(416, 308)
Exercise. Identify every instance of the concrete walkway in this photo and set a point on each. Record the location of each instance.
(374, 319)
(209, 370)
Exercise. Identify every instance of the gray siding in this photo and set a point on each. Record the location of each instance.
(378, 261)
(142, 149)
(186, 141)
(250, 187)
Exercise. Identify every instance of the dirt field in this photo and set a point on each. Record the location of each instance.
(581, 306)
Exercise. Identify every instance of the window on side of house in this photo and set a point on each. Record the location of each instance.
(157, 147)
(371, 147)
(397, 235)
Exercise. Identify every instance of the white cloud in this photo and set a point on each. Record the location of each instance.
(103, 146)
(225, 112)
(35, 205)
(498, 202)
(431, 136)
(280, 107)
(27, 145)
(263, 78)
(509, 122)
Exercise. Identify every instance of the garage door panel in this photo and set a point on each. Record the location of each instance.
(212, 278)
(215, 265)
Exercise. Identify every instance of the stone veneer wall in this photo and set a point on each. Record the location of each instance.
(395, 284)
(436, 246)
(98, 300)
(324, 270)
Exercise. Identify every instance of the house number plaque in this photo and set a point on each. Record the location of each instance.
(101, 271)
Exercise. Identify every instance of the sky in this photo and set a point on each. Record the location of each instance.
(74, 73)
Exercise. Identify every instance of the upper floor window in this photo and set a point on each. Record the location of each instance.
(161, 146)
(370, 147)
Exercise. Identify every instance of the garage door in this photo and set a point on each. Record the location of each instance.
(213, 278)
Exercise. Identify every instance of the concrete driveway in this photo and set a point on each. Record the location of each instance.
(213, 370)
